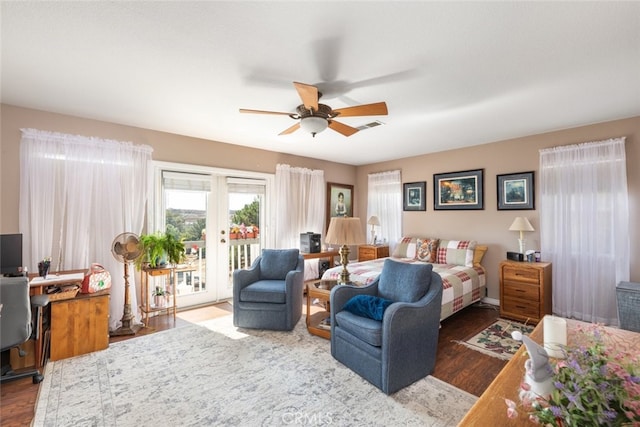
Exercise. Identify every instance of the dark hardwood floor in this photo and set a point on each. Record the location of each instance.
(457, 365)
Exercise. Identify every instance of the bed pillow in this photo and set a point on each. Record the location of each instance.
(367, 306)
(478, 254)
(458, 252)
(406, 248)
(427, 249)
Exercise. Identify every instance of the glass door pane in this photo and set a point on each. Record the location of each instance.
(246, 214)
(186, 199)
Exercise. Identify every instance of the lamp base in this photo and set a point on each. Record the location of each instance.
(522, 243)
(344, 260)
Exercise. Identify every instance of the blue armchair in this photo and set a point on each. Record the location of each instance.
(399, 349)
(268, 295)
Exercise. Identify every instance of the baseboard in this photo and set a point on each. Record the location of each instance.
(491, 301)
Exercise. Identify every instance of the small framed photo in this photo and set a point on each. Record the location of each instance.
(414, 196)
(516, 191)
(339, 200)
(458, 190)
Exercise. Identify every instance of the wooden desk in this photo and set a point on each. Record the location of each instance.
(79, 325)
(491, 410)
(37, 286)
(330, 255)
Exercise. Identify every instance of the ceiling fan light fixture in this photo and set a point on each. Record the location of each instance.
(313, 124)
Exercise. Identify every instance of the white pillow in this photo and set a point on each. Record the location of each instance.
(458, 252)
(406, 248)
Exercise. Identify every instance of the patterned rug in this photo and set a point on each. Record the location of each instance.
(216, 374)
(496, 341)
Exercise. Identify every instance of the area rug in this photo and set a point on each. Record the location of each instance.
(496, 341)
(214, 374)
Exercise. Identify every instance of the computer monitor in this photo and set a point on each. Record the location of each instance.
(10, 254)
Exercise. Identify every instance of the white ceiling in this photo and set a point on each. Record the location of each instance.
(453, 74)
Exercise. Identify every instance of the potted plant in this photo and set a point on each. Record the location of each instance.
(159, 297)
(234, 231)
(158, 249)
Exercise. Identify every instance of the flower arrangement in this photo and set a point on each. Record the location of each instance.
(593, 386)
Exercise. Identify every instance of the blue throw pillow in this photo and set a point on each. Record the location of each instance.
(367, 306)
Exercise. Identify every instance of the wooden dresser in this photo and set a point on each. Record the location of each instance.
(369, 252)
(525, 290)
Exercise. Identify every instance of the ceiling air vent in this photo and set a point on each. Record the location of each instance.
(370, 125)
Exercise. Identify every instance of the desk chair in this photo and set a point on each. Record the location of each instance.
(16, 323)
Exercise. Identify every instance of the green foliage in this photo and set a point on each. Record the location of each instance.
(248, 215)
(159, 246)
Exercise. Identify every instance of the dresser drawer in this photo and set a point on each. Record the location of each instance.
(529, 275)
(521, 291)
(520, 308)
(366, 254)
(369, 252)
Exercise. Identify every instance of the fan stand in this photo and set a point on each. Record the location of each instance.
(127, 328)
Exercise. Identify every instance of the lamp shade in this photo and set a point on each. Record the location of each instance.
(521, 224)
(373, 220)
(344, 231)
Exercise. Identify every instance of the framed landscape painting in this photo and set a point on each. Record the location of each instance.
(458, 190)
(516, 191)
(414, 196)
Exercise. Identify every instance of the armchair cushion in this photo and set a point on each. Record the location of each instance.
(369, 306)
(272, 291)
(366, 329)
(276, 263)
(404, 282)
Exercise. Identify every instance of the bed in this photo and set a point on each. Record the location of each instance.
(458, 262)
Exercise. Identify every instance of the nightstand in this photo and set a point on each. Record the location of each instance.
(525, 290)
(369, 252)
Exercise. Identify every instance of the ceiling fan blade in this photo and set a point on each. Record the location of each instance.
(308, 94)
(244, 110)
(376, 109)
(290, 130)
(342, 128)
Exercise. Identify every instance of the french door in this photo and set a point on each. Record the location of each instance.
(220, 215)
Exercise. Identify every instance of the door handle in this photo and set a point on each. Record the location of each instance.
(223, 241)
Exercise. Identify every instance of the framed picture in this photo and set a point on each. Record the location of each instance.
(516, 191)
(458, 190)
(414, 196)
(339, 200)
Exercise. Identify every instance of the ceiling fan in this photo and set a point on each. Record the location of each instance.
(314, 117)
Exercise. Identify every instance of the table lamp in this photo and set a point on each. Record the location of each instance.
(346, 232)
(373, 221)
(521, 224)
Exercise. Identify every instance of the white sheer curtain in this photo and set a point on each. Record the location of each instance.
(300, 204)
(584, 227)
(76, 195)
(384, 200)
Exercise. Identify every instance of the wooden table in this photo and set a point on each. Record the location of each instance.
(491, 410)
(320, 290)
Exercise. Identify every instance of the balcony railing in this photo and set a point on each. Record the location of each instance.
(191, 277)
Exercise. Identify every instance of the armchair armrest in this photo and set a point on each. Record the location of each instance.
(409, 326)
(245, 277)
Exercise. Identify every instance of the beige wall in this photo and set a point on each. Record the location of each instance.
(490, 226)
(166, 147)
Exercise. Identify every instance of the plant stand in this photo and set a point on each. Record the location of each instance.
(164, 277)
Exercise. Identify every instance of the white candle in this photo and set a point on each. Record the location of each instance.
(555, 335)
